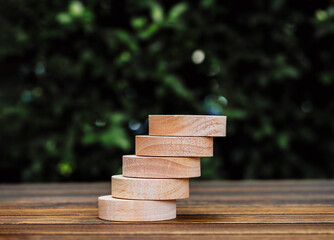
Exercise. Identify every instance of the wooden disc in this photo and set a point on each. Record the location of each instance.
(161, 167)
(187, 125)
(157, 146)
(149, 189)
(114, 209)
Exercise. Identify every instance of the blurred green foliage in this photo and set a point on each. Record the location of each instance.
(78, 79)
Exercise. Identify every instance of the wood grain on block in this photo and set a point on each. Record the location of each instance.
(187, 125)
(161, 167)
(149, 189)
(160, 146)
(114, 209)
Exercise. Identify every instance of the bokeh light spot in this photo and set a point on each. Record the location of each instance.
(100, 123)
(321, 15)
(39, 69)
(134, 125)
(198, 56)
(223, 100)
(26, 96)
(76, 8)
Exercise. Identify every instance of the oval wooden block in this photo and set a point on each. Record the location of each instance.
(149, 189)
(160, 146)
(114, 209)
(161, 167)
(187, 125)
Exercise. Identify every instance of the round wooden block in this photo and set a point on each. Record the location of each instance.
(158, 146)
(161, 167)
(187, 125)
(149, 189)
(114, 209)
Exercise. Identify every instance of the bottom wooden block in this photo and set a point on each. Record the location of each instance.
(114, 209)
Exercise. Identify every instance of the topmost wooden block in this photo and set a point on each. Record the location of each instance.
(187, 125)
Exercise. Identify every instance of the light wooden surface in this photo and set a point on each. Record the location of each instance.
(295, 210)
(115, 209)
(187, 125)
(174, 146)
(149, 189)
(161, 167)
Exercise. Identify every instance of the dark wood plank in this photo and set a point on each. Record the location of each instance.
(163, 237)
(182, 209)
(214, 218)
(168, 229)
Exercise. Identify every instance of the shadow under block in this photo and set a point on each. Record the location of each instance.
(161, 167)
(114, 209)
(149, 189)
(187, 125)
(161, 146)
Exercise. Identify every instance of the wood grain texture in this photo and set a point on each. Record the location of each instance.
(187, 125)
(114, 209)
(217, 209)
(161, 167)
(149, 189)
(169, 236)
(159, 146)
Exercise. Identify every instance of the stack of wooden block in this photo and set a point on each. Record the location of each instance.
(159, 173)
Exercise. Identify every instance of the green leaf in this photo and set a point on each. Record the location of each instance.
(128, 39)
(157, 13)
(76, 9)
(148, 32)
(177, 86)
(138, 22)
(65, 168)
(64, 18)
(115, 136)
(177, 11)
(283, 140)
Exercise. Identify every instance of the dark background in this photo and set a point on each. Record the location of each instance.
(79, 78)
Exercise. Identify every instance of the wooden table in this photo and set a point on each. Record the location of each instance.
(225, 210)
